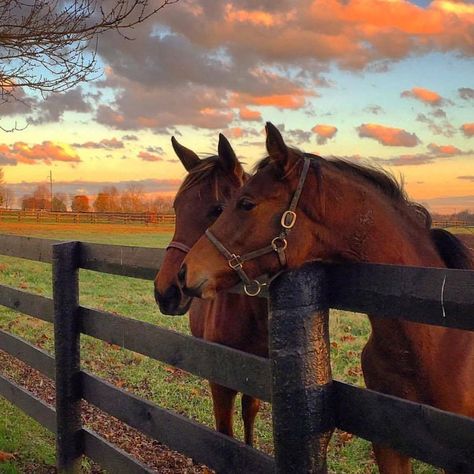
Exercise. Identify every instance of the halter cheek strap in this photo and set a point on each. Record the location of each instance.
(278, 243)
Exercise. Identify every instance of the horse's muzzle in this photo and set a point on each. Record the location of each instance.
(173, 302)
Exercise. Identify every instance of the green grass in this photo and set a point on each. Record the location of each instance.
(170, 388)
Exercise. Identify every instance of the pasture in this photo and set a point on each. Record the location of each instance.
(172, 388)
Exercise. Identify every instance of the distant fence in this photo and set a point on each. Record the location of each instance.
(452, 223)
(147, 218)
(306, 403)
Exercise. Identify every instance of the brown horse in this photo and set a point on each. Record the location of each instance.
(345, 213)
(232, 320)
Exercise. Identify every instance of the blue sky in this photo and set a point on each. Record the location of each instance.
(388, 82)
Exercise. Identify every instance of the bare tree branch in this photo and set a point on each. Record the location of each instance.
(51, 45)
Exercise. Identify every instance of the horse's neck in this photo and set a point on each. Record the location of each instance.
(379, 238)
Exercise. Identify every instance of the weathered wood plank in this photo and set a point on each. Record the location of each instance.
(442, 297)
(31, 405)
(204, 445)
(30, 248)
(420, 431)
(29, 354)
(67, 354)
(108, 456)
(137, 262)
(37, 306)
(241, 371)
(302, 409)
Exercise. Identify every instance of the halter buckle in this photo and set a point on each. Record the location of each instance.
(288, 219)
(279, 244)
(256, 285)
(235, 262)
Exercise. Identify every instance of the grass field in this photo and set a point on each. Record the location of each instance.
(168, 387)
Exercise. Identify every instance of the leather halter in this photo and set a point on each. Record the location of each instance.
(178, 245)
(278, 243)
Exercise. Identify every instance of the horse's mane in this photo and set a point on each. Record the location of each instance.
(386, 183)
(208, 168)
(453, 252)
(205, 169)
(383, 180)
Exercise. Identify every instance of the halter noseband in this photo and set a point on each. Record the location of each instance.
(278, 243)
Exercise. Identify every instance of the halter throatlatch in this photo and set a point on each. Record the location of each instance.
(278, 243)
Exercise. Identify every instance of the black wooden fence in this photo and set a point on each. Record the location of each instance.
(306, 403)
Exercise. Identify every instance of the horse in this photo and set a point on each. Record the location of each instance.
(232, 320)
(298, 208)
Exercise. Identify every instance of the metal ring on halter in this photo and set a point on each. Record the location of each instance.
(288, 219)
(235, 262)
(279, 247)
(249, 292)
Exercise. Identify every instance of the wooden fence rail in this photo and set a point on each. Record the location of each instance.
(144, 218)
(297, 378)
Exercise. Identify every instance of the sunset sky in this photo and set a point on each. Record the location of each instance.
(390, 82)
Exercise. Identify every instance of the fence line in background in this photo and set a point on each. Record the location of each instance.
(306, 403)
(144, 218)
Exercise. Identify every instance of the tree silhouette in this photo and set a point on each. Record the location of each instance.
(50, 45)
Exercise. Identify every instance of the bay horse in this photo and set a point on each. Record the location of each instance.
(337, 211)
(232, 320)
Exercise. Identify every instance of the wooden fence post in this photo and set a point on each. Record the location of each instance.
(67, 353)
(302, 401)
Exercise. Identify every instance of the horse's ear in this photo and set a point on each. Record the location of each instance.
(276, 147)
(186, 156)
(228, 158)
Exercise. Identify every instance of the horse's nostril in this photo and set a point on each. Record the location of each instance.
(182, 274)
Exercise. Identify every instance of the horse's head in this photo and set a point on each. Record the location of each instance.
(299, 207)
(255, 219)
(209, 184)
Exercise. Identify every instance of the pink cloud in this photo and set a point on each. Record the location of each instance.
(249, 115)
(443, 149)
(468, 129)
(424, 95)
(46, 152)
(324, 132)
(146, 156)
(235, 132)
(112, 143)
(388, 136)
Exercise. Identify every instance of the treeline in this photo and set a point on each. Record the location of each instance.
(109, 199)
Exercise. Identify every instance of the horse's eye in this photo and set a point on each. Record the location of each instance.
(246, 204)
(216, 211)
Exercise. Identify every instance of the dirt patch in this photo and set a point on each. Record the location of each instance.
(150, 452)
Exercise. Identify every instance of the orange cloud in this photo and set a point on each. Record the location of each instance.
(353, 33)
(255, 17)
(235, 132)
(112, 143)
(424, 95)
(145, 156)
(444, 149)
(387, 135)
(46, 152)
(324, 132)
(295, 100)
(248, 115)
(468, 129)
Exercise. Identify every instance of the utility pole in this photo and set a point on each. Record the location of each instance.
(51, 188)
